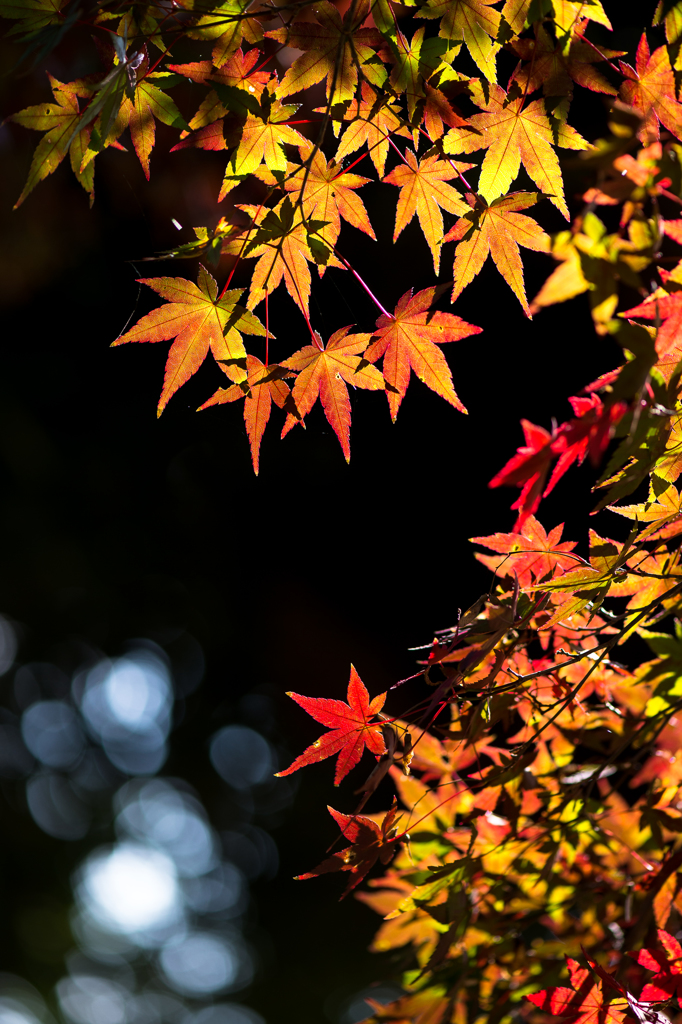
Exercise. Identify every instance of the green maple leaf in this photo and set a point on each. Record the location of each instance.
(32, 15)
(414, 62)
(59, 121)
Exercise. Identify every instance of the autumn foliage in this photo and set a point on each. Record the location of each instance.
(532, 854)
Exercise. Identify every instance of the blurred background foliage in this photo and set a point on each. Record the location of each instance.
(155, 594)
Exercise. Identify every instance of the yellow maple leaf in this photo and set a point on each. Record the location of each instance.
(498, 230)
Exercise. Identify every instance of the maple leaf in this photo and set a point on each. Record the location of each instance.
(227, 25)
(238, 71)
(527, 469)
(651, 90)
(669, 465)
(262, 387)
(423, 190)
(438, 113)
(664, 509)
(328, 195)
(586, 1002)
(58, 120)
(34, 16)
(278, 239)
(322, 373)
(199, 321)
(413, 63)
(408, 341)
(350, 725)
(548, 66)
(258, 139)
(531, 554)
(590, 432)
(148, 102)
(370, 842)
(373, 121)
(496, 229)
(606, 558)
(235, 73)
(667, 963)
(661, 571)
(472, 21)
(334, 47)
(513, 134)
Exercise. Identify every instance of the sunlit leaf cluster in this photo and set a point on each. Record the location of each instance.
(538, 806)
(463, 105)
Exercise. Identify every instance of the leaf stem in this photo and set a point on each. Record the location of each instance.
(267, 330)
(392, 143)
(364, 285)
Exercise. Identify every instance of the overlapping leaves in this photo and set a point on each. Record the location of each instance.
(387, 80)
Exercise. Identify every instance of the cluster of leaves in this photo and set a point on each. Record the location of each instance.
(538, 811)
(536, 828)
(428, 94)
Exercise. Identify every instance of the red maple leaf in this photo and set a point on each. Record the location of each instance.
(667, 963)
(350, 725)
(586, 1002)
(369, 842)
(589, 433)
(531, 553)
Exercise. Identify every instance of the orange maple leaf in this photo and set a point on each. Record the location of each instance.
(438, 113)
(661, 573)
(262, 387)
(328, 195)
(408, 340)
(236, 73)
(351, 728)
(532, 554)
(199, 321)
(278, 239)
(423, 190)
(497, 229)
(651, 90)
(322, 373)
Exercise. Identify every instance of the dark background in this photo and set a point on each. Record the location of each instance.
(114, 525)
